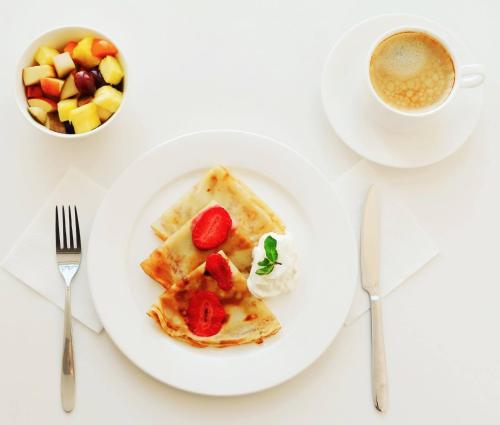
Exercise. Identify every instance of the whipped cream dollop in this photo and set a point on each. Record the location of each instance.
(284, 274)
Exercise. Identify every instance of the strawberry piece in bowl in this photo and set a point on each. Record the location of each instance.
(218, 267)
(211, 228)
(205, 313)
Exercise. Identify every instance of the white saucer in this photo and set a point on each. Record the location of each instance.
(345, 100)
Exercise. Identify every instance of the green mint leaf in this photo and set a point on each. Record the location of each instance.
(270, 248)
(265, 262)
(265, 270)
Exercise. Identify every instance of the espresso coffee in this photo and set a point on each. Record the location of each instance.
(412, 71)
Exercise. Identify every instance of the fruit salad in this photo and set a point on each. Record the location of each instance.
(77, 89)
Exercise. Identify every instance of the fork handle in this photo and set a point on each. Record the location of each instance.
(379, 368)
(68, 364)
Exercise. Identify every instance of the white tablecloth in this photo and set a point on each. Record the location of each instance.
(256, 66)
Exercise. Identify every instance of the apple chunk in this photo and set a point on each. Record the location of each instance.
(42, 102)
(33, 74)
(34, 91)
(63, 64)
(38, 113)
(69, 89)
(52, 86)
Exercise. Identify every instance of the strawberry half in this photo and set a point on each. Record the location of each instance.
(218, 267)
(205, 313)
(211, 228)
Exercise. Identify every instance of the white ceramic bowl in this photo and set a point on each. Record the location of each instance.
(58, 38)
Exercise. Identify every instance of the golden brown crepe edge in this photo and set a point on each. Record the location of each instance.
(160, 230)
(267, 326)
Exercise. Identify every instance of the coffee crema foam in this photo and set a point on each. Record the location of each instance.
(412, 71)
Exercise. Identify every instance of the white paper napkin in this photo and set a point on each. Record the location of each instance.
(405, 246)
(32, 259)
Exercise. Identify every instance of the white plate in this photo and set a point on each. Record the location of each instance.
(345, 100)
(310, 316)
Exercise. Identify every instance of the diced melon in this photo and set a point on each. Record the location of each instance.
(108, 97)
(85, 118)
(82, 53)
(111, 70)
(45, 55)
(104, 114)
(38, 113)
(64, 107)
(33, 74)
(69, 89)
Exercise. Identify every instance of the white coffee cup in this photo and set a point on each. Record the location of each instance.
(467, 76)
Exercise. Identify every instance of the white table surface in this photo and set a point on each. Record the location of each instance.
(256, 66)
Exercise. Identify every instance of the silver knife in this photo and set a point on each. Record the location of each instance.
(370, 272)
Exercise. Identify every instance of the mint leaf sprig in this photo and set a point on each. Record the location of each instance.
(271, 260)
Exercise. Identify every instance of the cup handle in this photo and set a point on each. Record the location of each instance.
(471, 76)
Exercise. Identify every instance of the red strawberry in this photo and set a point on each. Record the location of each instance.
(205, 313)
(218, 267)
(211, 228)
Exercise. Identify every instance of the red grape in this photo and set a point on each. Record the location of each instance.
(98, 78)
(85, 83)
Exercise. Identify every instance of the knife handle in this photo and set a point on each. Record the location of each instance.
(379, 369)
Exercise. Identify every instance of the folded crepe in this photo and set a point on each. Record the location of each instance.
(177, 256)
(247, 318)
(252, 216)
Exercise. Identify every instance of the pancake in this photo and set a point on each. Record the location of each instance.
(177, 256)
(247, 318)
(251, 215)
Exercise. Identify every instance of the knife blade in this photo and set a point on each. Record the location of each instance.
(370, 281)
(370, 243)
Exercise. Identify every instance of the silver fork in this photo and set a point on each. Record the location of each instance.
(68, 260)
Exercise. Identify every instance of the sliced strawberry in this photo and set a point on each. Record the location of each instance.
(218, 267)
(205, 313)
(211, 228)
(34, 91)
(69, 47)
(102, 48)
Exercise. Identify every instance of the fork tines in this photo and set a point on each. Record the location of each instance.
(62, 245)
